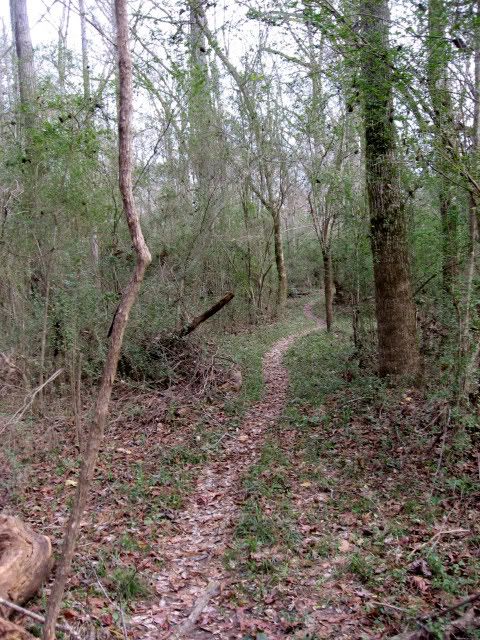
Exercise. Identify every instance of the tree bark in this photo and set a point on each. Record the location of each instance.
(119, 324)
(395, 311)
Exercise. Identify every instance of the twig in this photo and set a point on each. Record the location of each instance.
(418, 635)
(213, 588)
(28, 402)
(36, 616)
(391, 606)
(454, 607)
(434, 539)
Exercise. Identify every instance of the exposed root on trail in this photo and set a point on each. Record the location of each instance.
(193, 557)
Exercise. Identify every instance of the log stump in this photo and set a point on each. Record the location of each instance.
(11, 631)
(25, 562)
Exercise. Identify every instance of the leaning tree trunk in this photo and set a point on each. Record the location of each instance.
(395, 310)
(120, 320)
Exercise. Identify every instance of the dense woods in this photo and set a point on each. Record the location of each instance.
(240, 312)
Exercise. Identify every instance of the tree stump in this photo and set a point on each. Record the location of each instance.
(11, 631)
(25, 562)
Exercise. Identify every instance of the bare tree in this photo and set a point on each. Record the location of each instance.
(119, 324)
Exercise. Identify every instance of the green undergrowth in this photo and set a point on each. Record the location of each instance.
(354, 484)
(247, 350)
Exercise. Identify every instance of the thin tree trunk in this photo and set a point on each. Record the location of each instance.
(438, 47)
(282, 284)
(395, 311)
(85, 62)
(328, 286)
(119, 324)
(25, 59)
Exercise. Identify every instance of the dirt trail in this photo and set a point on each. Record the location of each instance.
(193, 557)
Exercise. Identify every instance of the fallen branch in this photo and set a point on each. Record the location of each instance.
(36, 616)
(198, 320)
(183, 629)
(18, 415)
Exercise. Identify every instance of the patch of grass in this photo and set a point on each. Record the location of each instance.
(129, 584)
(361, 566)
(318, 365)
(254, 527)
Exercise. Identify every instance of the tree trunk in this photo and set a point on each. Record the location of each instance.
(25, 60)
(282, 285)
(395, 311)
(328, 287)
(119, 323)
(85, 63)
(438, 57)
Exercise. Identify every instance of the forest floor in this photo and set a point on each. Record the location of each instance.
(316, 503)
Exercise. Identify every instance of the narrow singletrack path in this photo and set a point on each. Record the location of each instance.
(193, 557)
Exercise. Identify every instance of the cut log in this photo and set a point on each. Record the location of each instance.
(198, 320)
(25, 561)
(11, 631)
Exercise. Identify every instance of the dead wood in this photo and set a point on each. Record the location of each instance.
(35, 616)
(198, 320)
(184, 629)
(11, 631)
(25, 561)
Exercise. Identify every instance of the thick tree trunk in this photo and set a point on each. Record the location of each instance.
(119, 323)
(328, 287)
(395, 311)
